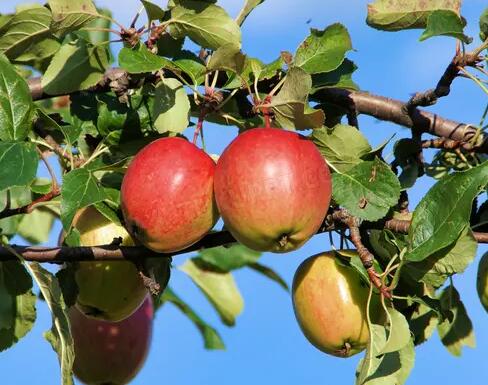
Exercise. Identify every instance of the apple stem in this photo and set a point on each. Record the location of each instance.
(266, 113)
(199, 127)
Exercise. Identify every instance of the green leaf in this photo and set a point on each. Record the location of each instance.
(269, 273)
(406, 152)
(422, 323)
(36, 226)
(19, 196)
(291, 106)
(341, 77)
(210, 336)
(270, 70)
(323, 51)
(230, 258)
(444, 212)
(398, 332)
(219, 288)
(456, 331)
(249, 5)
(15, 277)
(171, 108)
(140, 59)
(80, 189)
(394, 15)
(445, 23)
(448, 261)
(16, 106)
(154, 11)
(18, 164)
(342, 146)
(25, 29)
(484, 25)
(60, 334)
(206, 24)
(76, 66)
(67, 283)
(387, 369)
(94, 36)
(228, 57)
(368, 190)
(69, 16)
(39, 51)
(23, 316)
(192, 65)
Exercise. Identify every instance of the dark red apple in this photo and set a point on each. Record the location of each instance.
(272, 189)
(167, 195)
(111, 352)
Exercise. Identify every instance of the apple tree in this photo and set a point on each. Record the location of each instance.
(116, 115)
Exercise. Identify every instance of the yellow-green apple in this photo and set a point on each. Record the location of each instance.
(167, 195)
(107, 290)
(272, 188)
(330, 303)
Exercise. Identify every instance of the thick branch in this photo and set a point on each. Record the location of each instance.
(361, 102)
(333, 221)
(392, 110)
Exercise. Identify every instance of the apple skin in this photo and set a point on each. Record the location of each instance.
(167, 195)
(107, 290)
(482, 281)
(272, 188)
(330, 304)
(111, 352)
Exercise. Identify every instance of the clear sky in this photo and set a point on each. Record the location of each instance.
(266, 345)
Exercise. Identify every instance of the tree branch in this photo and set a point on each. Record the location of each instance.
(380, 107)
(61, 254)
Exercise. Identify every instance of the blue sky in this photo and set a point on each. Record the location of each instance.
(266, 345)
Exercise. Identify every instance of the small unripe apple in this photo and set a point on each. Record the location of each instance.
(482, 281)
(330, 303)
(272, 188)
(107, 290)
(111, 352)
(167, 195)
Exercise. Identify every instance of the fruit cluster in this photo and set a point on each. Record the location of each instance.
(272, 188)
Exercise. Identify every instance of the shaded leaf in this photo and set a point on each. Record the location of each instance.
(190, 64)
(422, 323)
(80, 189)
(140, 59)
(18, 164)
(290, 105)
(394, 15)
(230, 258)
(450, 260)
(100, 36)
(210, 336)
(323, 51)
(269, 273)
(439, 218)
(68, 16)
(22, 310)
(206, 24)
(60, 334)
(483, 23)
(219, 288)
(249, 5)
(445, 23)
(76, 66)
(171, 106)
(398, 332)
(368, 190)
(228, 57)
(457, 331)
(36, 226)
(15, 278)
(154, 11)
(342, 146)
(341, 77)
(25, 29)
(16, 106)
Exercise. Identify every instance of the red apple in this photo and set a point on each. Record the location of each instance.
(167, 195)
(111, 352)
(272, 189)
